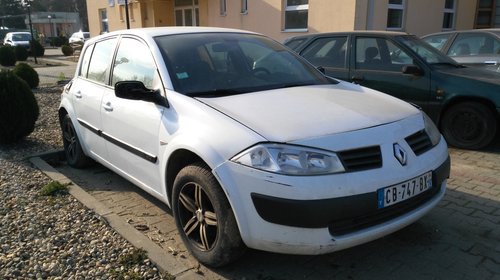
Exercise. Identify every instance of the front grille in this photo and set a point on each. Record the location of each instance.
(361, 159)
(419, 142)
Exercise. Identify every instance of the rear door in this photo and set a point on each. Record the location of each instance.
(88, 89)
(330, 53)
(377, 63)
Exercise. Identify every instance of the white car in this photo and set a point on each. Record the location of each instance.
(79, 37)
(17, 39)
(249, 144)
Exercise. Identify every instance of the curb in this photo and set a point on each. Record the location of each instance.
(164, 261)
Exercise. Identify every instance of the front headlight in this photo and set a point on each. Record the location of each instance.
(431, 130)
(290, 160)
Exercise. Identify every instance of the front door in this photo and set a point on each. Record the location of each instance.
(131, 127)
(377, 63)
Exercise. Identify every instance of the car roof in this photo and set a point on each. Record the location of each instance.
(484, 30)
(356, 32)
(170, 30)
(19, 32)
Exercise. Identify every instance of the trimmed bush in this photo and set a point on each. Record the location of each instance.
(28, 74)
(7, 56)
(37, 48)
(19, 108)
(21, 53)
(58, 41)
(67, 50)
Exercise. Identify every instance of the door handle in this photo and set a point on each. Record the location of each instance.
(78, 94)
(357, 78)
(108, 107)
(490, 62)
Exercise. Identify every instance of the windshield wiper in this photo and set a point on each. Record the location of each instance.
(216, 93)
(449, 63)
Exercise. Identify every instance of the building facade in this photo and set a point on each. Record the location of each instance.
(281, 19)
(54, 24)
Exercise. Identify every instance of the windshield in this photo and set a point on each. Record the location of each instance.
(425, 51)
(215, 64)
(21, 37)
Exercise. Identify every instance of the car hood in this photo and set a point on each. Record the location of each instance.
(290, 114)
(472, 73)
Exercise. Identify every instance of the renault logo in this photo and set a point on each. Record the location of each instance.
(400, 154)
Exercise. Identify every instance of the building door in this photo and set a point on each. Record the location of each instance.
(187, 13)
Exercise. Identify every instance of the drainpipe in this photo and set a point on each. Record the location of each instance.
(126, 14)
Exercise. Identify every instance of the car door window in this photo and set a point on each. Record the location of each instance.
(367, 53)
(438, 41)
(100, 61)
(468, 44)
(294, 43)
(128, 66)
(327, 52)
(380, 54)
(84, 67)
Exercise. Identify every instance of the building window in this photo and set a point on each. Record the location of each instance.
(449, 14)
(144, 11)
(103, 17)
(296, 13)
(223, 8)
(395, 14)
(244, 7)
(122, 12)
(131, 11)
(187, 13)
(485, 14)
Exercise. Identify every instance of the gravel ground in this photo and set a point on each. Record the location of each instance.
(55, 237)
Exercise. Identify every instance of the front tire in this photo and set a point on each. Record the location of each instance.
(73, 151)
(469, 125)
(204, 217)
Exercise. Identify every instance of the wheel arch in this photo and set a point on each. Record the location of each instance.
(463, 99)
(179, 159)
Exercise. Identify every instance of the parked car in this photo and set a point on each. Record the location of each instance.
(17, 39)
(463, 102)
(479, 47)
(248, 143)
(79, 37)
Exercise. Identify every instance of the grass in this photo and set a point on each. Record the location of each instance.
(54, 188)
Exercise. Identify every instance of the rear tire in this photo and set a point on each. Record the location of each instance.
(469, 125)
(73, 151)
(204, 217)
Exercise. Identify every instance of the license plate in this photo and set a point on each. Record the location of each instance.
(397, 193)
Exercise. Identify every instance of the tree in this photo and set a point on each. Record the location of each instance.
(11, 11)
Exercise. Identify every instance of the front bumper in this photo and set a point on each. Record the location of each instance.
(322, 214)
(342, 215)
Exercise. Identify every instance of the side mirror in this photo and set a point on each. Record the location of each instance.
(321, 69)
(412, 70)
(135, 90)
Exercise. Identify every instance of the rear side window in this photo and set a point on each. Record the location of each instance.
(101, 60)
(84, 68)
(294, 43)
(327, 52)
